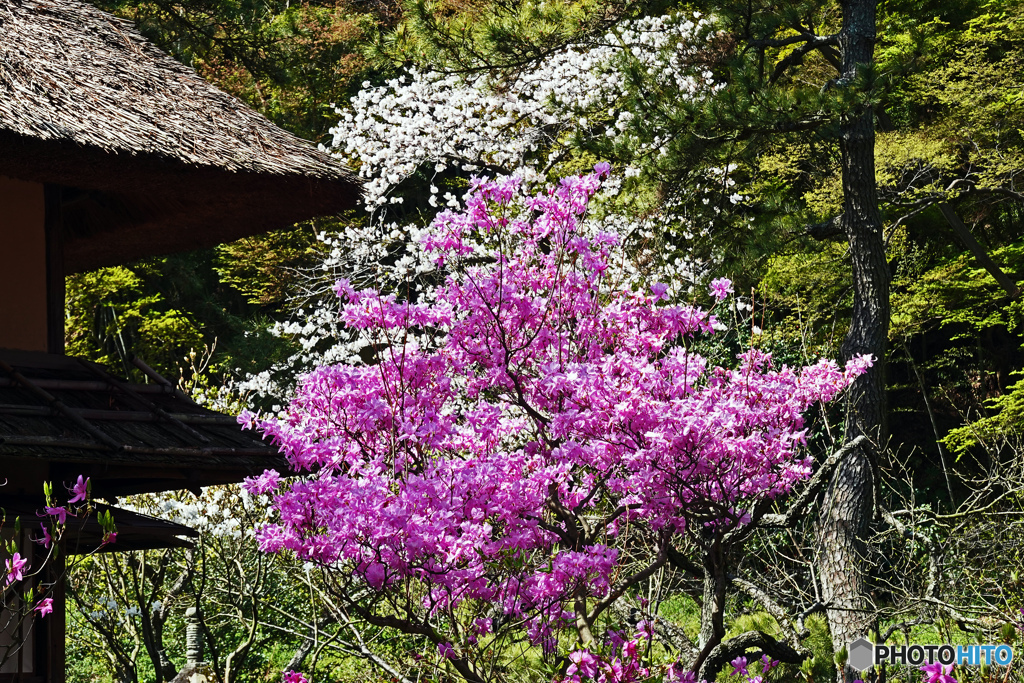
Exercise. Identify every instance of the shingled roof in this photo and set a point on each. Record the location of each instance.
(153, 158)
(129, 438)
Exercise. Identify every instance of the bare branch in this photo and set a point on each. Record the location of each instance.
(724, 652)
(801, 504)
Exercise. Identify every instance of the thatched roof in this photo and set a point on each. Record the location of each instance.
(129, 438)
(159, 159)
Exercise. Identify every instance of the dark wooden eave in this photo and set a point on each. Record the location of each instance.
(128, 438)
(117, 207)
(135, 531)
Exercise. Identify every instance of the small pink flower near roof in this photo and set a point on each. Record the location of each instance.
(721, 288)
(46, 539)
(44, 607)
(247, 419)
(60, 512)
(80, 490)
(269, 481)
(16, 567)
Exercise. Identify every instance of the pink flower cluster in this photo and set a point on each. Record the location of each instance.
(17, 567)
(557, 411)
(938, 673)
(624, 667)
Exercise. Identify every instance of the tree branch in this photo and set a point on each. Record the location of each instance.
(826, 230)
(825, 44)
(801, 505)
(775, 610)
(977, 250)
(734, 647)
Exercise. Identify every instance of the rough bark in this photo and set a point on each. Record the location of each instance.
(846, 514)
(712, 612)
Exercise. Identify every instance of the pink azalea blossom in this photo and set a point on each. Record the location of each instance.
(46, 539)
(247, 420)
(583, 662)
(549, 385)
(721, 288)
(295, 677)
(739, 666)
(938, 673)
(267, 482)
(676, 673)
(16, 567)
(44, 606)
(645, 629)
(80, 490)
(60, 512)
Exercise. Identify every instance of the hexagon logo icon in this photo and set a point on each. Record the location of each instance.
(861, 654)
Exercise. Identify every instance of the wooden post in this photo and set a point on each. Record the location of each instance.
(54, 222)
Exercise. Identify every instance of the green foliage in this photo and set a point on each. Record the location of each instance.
(810, 295)
(288, 60)
(109, 317)
(263, 267)
(958, 293)
(1004, 422)
(498, 37)
(161, 310)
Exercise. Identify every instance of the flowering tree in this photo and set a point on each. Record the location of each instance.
(524, 120)
(533, 441)
(415, 139)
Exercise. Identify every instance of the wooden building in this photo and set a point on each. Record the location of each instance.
(110, 151)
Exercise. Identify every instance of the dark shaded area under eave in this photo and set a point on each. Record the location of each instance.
(118, 207)
(135, 531)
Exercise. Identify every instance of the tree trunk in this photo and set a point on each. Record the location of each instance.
(846, 514)
(712, 613)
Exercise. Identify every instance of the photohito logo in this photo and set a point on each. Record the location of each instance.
(863, 654)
